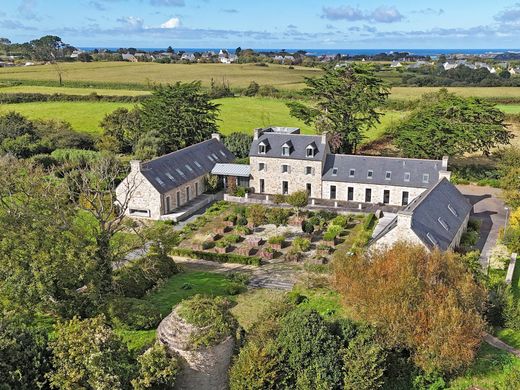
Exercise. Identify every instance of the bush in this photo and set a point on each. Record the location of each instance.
(217, 257)
(315, 220)
(341, 220)
(132, 313)
(231, 218)
(208, 245)
(293, 256)
(240, 191)
(334, 230)
(222, 244)
(276, 240)
(232, 238)
(278, 216)
(243, 230)
(301, 244)
(156, 369)
(329, 236)
(235, 288)
(279, 199)
(308, 227)
(242, 221)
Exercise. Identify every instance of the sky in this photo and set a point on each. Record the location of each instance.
(290, 24)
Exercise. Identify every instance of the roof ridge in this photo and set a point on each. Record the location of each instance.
(424, 195)
(389, 157)
(179, 150)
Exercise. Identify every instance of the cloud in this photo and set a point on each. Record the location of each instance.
(14, 25)
(379, 15)
(131, 23)
(292, 26)
(429, 11)
(26, 9)
(171, 23)
(230, 10)
(167, 3)
(509, 15)
(97, 5)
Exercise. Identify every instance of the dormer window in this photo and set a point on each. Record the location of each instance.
(262, 148)
(286, 150)
(370, 174)
(310, 151)
(432, 239)
(334, 171)
(443, 223)
(388, 175)
(452, 210)
(407, 176)
(352, 172)
(425, 178)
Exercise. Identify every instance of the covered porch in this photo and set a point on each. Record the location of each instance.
(236, 175)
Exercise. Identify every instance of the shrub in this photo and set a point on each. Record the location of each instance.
(241, 221)
(334, 230)
(278, 216)
(44, 160)
(231, 218)
(315, 220)
(276, 240)
(240, 191)
(217, 257)
(243, 230)
(132, 313)
(235, 288)
(156, 369)
(232, 238)
(293, 256)
(240, 210)
(301, 244)
(369, 221)
(329, 236)
(326, 215)
(298, 199)
(307, 227)
(211, 315)
(341, 220)
(208, 245)
(279, 198)
(222, 244)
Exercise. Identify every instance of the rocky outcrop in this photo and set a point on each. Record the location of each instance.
(204, 368)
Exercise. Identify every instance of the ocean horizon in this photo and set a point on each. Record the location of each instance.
(318, 52)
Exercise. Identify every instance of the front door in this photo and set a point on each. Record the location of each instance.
(368, 195)
(285, 187)
(196, 189)
(333, 192)
(309, 189)
(178, 199)
(405, 198)
(262, 186)
(187, 194)
(168, 205)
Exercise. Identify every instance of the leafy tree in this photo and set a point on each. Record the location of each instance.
(252, 89)
(346, 101)
(157, 369)
(447, 124)
(298, 200)
(256, 214)
(56, 134)
(509, 170)
(179, 115)
(426, 302)
(23, 355)
(87, 354)
(278, 216)
(49, 48)
(13, 125)
(121, 130)
(238, 144)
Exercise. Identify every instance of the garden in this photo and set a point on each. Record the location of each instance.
(256, 234)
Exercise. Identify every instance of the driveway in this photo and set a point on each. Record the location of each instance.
(489, 208)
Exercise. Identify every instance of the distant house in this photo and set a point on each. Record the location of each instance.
(514, 71)
(419, 64)
(160, 188)
(450, 65)
(395, 64)
(479, 65)
(230, 58)
(128, 57)
(76, 53)
(188, 57)
(435, 219)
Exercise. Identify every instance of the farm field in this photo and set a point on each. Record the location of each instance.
(410, 93)
(236, 114)
(510, 108)
(238, 75)
(71, 91)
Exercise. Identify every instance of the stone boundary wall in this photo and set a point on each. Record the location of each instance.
(511, 269)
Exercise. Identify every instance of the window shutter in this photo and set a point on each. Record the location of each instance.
(312, 171)
(288, 169)
(281, 168)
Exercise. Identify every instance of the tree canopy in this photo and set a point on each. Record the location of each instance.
(346, 100)
(447, 124)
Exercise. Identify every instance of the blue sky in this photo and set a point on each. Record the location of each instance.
(266, 23)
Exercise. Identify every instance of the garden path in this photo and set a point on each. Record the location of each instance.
(497, 343)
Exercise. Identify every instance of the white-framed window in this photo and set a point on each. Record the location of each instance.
(407, 176)
(286, 150)
(452, 210)
(352, 172)
(262, 148)
(310, 151)
(335, 171)
(443, 223)
(388, 175)
(370, 174)
(308, 170)
(432, 239)
(426, 178)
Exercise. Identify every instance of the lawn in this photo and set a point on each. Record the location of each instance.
(83, 116)
(238, 75)
(510, 108)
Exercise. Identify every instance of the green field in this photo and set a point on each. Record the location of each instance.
(71, 91)
(236, 114)
(510, 108)
(409, 93)
(237, 75)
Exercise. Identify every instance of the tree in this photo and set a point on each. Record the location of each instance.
(157, 369)
(252, 89)
(447, 124)
(23, 355)
(256, 214)
(509, 171)
(426, 302)
(346, 101)
(238, 144)
(298, 200)
(170, 50)
(179, 115)
(87, 354)
(121, 130)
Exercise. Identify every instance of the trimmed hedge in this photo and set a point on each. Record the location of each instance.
(217, 257)
(23, 97)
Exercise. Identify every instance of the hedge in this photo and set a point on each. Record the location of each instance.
(217, 257)
(22, 97)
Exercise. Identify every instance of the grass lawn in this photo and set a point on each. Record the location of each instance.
(71, 91)
(238, 75)
(83, 116)
(510, 108)
(489, 370)
(251, 304)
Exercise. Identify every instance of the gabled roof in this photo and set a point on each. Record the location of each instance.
(297, 142)
(379, 166)
(438, 214)
(177, 168)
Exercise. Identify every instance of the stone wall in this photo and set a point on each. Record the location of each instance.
(201, 181)
(396, 193)
(296, 177)
(143, 195)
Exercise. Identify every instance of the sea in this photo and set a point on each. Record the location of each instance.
(322, 51)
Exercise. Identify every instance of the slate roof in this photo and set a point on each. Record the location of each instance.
(298, 148)
(379, 166)
(177, 168)
(438, 214)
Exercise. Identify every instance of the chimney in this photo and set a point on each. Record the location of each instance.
(324, 137)
(135, 166)
(257, 132)
(215, 136)
(445, 163)
(404, 219)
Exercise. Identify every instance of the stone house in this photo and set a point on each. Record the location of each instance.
(160, 187)
(436, 218)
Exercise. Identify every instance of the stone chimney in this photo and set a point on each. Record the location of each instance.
(324, 138)
(135, 166)
(444, 173)
(445, 163)
(404, 219)
(257, 132)
(215, 136)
